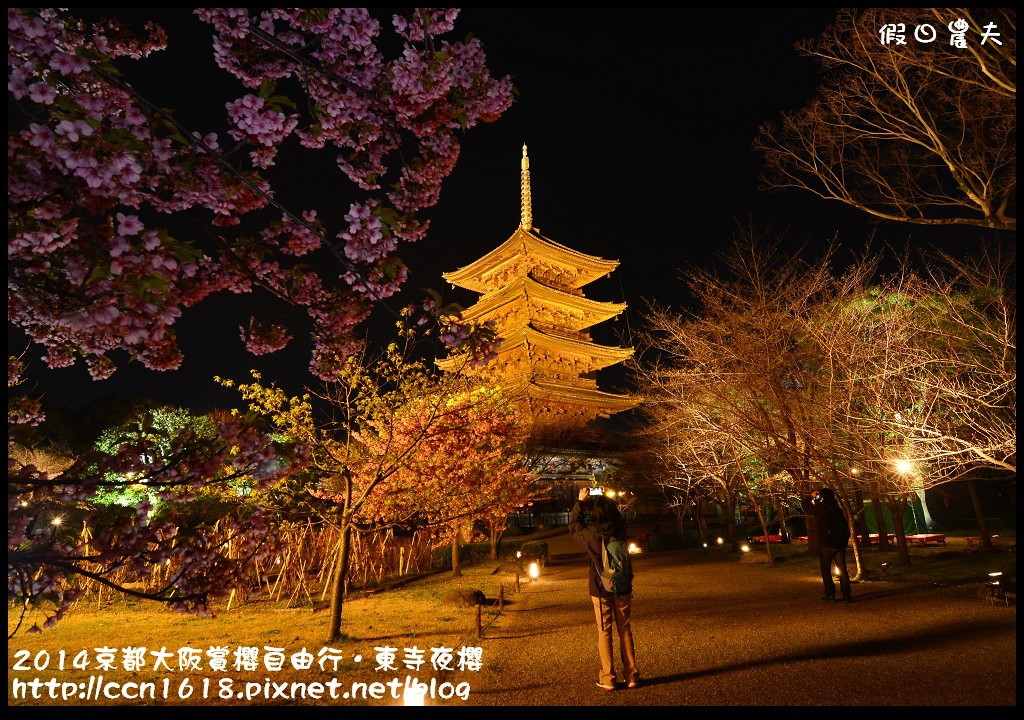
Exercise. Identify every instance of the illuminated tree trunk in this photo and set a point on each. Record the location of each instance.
(896, 509)
(338, 589)
(979, 513)
(456, 543)
(880, 523)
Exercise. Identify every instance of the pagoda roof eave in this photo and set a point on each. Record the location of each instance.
(538, 390)
(597, 310)
(587, 268)
(601, 355)
(608, 354)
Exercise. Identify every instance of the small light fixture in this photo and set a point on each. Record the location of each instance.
(534, 571)
(885, 568)
(56, 521)
(721, 541)
(995, 587)
(745, 547)
(519, 554)
(634, 549)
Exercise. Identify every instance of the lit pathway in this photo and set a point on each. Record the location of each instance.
(710, 630)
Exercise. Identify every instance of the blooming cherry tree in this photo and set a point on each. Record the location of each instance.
(121, 218)
(99, 172)
(58, 534)
(464, 459)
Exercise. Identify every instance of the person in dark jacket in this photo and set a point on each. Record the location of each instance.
(833, 539)
(593, 518)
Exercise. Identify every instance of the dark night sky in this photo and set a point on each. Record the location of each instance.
(638, 122)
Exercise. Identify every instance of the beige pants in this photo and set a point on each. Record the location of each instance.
(612, 614)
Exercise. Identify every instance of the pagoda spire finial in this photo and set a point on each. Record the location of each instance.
(526, 222)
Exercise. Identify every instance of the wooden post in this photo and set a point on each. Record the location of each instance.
(501, 597)
(517, 581)
(479, 628)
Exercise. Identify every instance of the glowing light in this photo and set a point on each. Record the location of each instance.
(415, 694)
(519, 554)
(720, 541)
(854, 471)
(57, 521)
(634, 549)
(745, 548)
(534, 571)
(904, 466)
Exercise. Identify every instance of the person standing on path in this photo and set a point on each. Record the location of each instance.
(595, 522)
(833, 538)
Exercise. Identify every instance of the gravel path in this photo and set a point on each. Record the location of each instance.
(712, 631)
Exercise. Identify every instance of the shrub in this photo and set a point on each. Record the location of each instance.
(535, 550)
(469, 553)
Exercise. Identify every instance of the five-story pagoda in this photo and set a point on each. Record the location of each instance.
(531, 287)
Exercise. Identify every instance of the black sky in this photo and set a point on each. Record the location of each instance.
(638, 122)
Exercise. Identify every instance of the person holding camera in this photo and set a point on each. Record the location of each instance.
(833, 538)
(595, 523)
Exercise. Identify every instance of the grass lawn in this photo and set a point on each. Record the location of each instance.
(423, 621)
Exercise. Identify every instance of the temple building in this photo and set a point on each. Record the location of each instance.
(532, 288)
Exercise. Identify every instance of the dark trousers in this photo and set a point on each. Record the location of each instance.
(826, 557)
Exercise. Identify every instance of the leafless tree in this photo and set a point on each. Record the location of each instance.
(734, 382)
(920, 133)
(970, 371)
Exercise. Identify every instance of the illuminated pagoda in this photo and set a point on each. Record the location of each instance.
(531, 287)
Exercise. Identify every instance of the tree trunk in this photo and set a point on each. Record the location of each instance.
(679, 513)
(860, 526)
(896, 509)
(979, 513)
(783, 518)
(338, 588)
(880, 523)
(495, 537)
(759, 511)
(730, 519)
(456, 541)
(702, 525)
(851, 515)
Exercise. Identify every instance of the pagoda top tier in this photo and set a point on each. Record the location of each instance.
(527, 253)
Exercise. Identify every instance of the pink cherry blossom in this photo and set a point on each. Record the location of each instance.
(103, 181)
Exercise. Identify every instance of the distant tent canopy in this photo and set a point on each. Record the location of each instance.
(916, 518)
